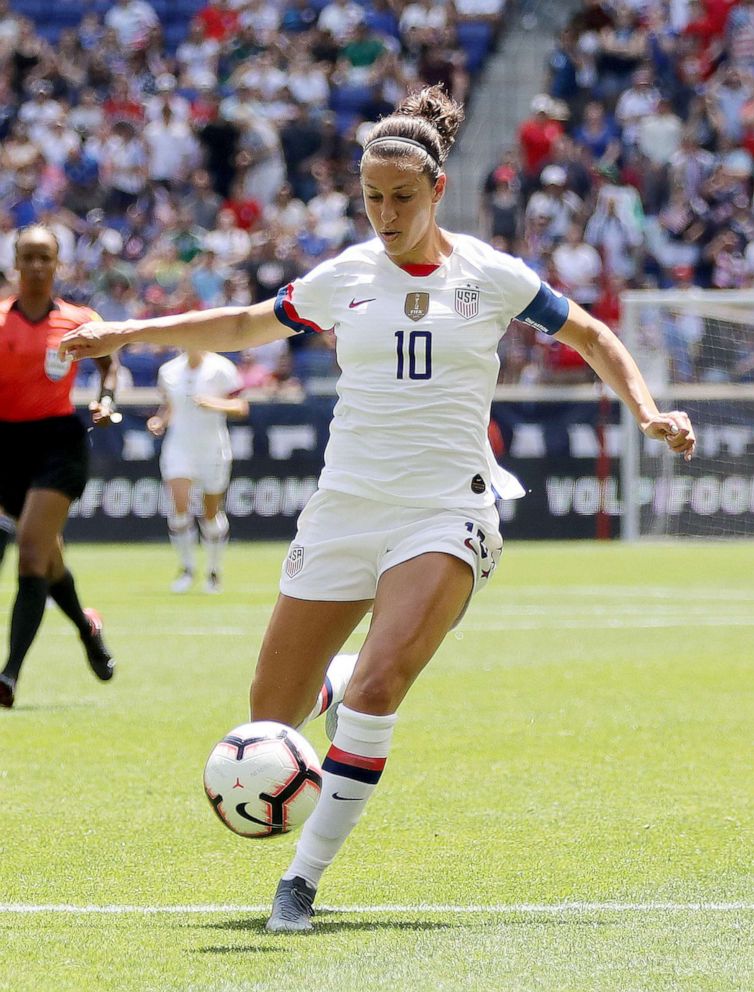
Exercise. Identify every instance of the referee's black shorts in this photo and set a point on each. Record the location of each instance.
(42, 454)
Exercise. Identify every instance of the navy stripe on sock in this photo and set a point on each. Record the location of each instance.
(367, 775)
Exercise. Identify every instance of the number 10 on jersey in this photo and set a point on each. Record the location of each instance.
(419, 354)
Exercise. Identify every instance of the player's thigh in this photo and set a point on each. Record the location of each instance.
(417, 603)
(303, 635)
(213, 503)
(180, 493)
(43, 517)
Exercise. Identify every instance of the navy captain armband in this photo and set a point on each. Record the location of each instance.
(547, 312)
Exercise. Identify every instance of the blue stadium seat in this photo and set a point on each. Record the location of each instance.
(475, 39)
(35, 9)
(351, 98)
(185, 9)
(163, 9)
(50, 32)
(174, 33)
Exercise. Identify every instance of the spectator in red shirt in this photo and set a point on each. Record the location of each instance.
(537, 136)
(218, 20)
(246, 209)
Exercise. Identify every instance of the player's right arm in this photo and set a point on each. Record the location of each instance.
(158, 422)
(221, 329)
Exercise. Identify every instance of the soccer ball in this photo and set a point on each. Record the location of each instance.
(263, 778)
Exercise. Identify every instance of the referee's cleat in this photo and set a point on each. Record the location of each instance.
(183, 582)
(292, 908)
(99, 658)
(7, 691)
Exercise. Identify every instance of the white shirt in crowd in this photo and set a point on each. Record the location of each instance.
(131, 21)
(579, 267)
(172, 149)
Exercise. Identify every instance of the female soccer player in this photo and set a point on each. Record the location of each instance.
(403, 521)
(44, 449)
(198, 390)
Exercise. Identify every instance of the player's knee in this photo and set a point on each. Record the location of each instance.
(214, 528)
(377, 691)
(33, 558)
(266, 703)
(178, 523)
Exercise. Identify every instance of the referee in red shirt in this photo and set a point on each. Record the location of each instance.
(44, 451)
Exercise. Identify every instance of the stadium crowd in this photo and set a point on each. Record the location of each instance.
(190, 154)
(634, 170)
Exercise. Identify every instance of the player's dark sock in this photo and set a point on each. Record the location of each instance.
(64, 593)
(28, 611)
(4, 538)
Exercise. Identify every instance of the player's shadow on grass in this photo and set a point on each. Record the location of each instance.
(229, 949)
(50, 707)
(324, 925)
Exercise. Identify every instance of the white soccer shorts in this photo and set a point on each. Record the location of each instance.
(210, 470)
(344, 543)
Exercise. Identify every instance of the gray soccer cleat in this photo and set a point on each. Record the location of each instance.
(292, 907)
(331, 722)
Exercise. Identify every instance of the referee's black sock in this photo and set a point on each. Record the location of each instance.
(6, 533)
(64, 593)
(28, 611)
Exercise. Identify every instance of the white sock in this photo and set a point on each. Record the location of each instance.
(337, 677)
(350, 773)
(183, 538)
(214, 533)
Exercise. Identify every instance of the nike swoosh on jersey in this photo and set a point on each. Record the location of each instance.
(347, 799)
(357, 303)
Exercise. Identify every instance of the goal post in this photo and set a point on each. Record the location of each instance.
(696, 350)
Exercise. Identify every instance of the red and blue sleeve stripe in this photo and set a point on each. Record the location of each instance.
(355, 766)
(286, 313)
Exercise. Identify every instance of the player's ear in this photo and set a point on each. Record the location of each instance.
(438, 190)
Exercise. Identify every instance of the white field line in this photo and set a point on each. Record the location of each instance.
(544, 909)
(505, 621)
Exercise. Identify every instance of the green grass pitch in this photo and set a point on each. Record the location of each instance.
(568, 805)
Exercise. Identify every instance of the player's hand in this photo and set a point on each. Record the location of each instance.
(675, 429)
(93, 340)
(204, 402)
(156, 426)
(104, 413)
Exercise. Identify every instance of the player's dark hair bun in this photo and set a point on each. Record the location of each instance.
(434, 105)
(429, 118)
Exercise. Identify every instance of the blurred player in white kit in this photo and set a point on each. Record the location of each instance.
(199, 391)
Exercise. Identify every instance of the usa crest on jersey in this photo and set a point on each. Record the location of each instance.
(467, 303)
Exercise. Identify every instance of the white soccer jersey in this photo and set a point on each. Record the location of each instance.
(193, 428)
(419, 365)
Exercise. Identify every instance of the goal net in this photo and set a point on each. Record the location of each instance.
(696, 351)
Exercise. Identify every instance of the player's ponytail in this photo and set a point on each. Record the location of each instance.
(425, 121)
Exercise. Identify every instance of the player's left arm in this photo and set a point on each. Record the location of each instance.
(232, 406)
(612, 362)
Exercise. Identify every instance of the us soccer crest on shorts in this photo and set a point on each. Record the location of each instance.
(295, 561)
